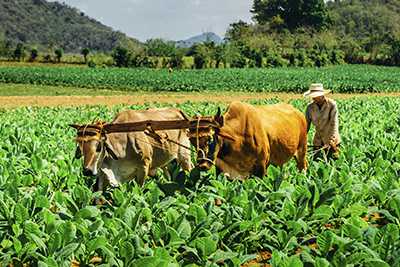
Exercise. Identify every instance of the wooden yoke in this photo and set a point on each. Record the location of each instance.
(198, 122)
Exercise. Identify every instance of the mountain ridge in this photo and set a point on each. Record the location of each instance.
(53, 24)
(200, 38)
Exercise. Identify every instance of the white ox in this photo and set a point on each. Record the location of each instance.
(118, 157)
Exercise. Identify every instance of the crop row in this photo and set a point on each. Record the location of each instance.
(340, 213)
(341, 79)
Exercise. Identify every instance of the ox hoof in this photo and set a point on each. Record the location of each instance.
(99, 201)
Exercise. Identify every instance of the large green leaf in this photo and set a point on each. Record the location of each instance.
(88, 212)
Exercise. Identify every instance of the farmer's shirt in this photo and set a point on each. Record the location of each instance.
(326, 121)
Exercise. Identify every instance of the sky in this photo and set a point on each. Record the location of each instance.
(167, 19)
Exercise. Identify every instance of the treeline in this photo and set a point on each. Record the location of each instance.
(304, 33)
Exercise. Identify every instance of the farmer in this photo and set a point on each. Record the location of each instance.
(323, 113)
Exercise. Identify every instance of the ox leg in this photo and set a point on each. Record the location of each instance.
(166, 173)
(143, 172)
(259, 170)
(184, 158)
(301, 156)
(100, 184)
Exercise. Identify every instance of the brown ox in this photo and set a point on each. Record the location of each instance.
(250, 138)
(119, 157)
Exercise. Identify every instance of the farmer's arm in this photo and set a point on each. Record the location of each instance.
(308, 117)
(334, 124)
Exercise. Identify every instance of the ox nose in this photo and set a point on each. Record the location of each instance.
(203, 166)
(87, 172)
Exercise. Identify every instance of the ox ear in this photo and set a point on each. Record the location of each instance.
(219, 118)
(75, 126)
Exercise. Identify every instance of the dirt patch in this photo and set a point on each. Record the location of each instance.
(52, 101)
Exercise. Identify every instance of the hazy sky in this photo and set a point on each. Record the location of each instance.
(168, 19)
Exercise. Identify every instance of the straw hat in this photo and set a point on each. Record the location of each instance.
(316, 89)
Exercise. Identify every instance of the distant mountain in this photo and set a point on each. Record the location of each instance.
(205, 37)
(53, 24)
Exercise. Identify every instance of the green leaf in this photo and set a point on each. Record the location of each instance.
(172, 215)
(352, 231)
(184, 230)
(95, 226)
(51, 262)
(174, 238)
(197, 212)
(323, 212)
(392, 231)
(6, 243)
(42, 202)
(150, 262)
(315, 198)
(294, 261)
(321, 262)
(205, 245)
(21, 213)
(376, 263)
(32, 228)
(55, 242)
(88, 212)
(354, 210)
(39, 242)
(68, 250)
(16, 230)
(96, 243)
(68, 232)
(324, 241)
(127, 251)
(17, 245)
(220, 256)
(118, 197)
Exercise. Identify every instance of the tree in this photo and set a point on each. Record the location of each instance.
(34, 54)
(59, 53)
(19, 52)
(219, 55)
(85, 52)
(121, 56)
(160, 48)
(292, 13)
(176, 61)
(237, 31)
(4, 51)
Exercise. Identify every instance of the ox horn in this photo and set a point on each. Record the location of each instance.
(186, 117)
(75, 126)
(219, 118)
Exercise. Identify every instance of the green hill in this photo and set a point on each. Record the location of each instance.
(366, 18)
(42, 23)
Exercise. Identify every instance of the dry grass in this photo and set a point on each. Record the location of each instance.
(144, 97)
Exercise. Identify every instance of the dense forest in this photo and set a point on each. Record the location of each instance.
(53, 24)
(283, 33)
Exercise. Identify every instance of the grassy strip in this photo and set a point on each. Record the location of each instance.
(341, 79)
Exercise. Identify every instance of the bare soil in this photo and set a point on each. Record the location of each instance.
(141, 98)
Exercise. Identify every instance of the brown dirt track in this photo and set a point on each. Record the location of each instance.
(52, 101)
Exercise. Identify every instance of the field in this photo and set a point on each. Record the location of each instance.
(339, 213)
(340, 79)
